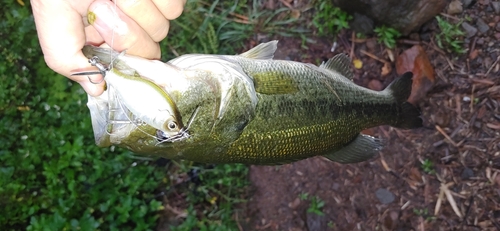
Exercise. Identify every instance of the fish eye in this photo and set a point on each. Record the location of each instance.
(172, 125)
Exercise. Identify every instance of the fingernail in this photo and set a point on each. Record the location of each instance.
(105, 18)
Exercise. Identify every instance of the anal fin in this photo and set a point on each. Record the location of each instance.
(361, 148)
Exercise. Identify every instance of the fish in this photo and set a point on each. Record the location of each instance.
(247, 108)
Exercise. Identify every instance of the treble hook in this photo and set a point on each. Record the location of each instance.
(94, 61)
(183, 133)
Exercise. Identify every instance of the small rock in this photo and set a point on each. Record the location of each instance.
(484, 2)
(371, 44)
(496, 7)
(362, 24)
(455, 7)
(497, 36)
(315, 222)
(414, 36)
(375, 84)
(467, 173)
(496, 214)
(335, 186)
(469, 30)
(482, 26)
(480, 41)
(497, 180)
(294, 204)
(384, 196)
(466, 3)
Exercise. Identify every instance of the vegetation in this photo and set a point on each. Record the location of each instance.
(53, 176)
(424, 213)
(316, 204)
(225, 22)
(387, 36)
(450, 36)
(330, 20)
(428, 166)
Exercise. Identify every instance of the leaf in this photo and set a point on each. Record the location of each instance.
(415, 60)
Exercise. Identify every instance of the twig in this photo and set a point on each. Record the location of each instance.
(471, 200)
(450, 198)
(286, 4)
(449, 16)
(352, 46)
(492, 65)
(471, 105)
(238, 222)
(374, 57)
(439, 202)
(410, 42)
(440, 130)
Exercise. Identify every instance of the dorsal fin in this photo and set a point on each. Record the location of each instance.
(340, 63)
(262, 51)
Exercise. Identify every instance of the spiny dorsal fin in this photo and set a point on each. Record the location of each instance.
(339, 63)
(262, 51)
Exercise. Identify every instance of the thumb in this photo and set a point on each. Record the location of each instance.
(93, 85)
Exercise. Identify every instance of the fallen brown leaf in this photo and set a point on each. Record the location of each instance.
(415, 60)
(473, 54)
(415, 174)
(386, 69)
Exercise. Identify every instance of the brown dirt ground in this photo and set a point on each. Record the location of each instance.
(461, 137)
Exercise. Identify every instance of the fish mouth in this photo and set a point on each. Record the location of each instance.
(183, 134)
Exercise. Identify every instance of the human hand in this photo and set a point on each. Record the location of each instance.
(134, 25)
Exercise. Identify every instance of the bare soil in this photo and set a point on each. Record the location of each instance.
(396, 190)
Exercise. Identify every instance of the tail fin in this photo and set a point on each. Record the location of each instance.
(409, 115)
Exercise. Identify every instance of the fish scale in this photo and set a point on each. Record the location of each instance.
(255, 110)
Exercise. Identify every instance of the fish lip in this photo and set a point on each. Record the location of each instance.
(183, 134)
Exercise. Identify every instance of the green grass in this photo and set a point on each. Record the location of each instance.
(428, 166)
(316, 204)
(387, 36)
(223, 27)
(53, 176)
(450, 36)
(330, 20)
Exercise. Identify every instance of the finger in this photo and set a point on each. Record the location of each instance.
(61, 34)
(121, 32)
(92, 36)
(171, 9)
(93, 85)
(145, 13)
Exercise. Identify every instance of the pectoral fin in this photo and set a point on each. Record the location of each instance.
(362, 148)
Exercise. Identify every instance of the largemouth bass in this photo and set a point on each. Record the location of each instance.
(245, 108)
